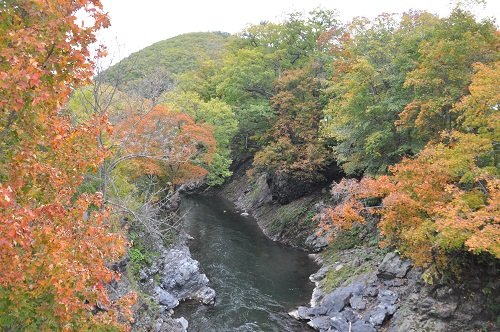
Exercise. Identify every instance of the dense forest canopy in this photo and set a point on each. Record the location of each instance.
(403, 107)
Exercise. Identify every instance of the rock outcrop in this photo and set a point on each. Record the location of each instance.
(179, 279)
(392, 297)
(285, 189)
(172, 277)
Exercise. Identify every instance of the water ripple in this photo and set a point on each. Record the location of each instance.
(257, 281)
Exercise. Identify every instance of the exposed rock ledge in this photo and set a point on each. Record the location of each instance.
(286, 223)
(174, 276)
(180, 279)
(391, 297)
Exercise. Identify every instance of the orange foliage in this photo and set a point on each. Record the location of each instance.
(346, 210)
(446, 199)
(54, 243)
(167, 143)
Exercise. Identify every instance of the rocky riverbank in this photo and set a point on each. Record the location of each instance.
(364, 290)
(360, 287)
(170, 277)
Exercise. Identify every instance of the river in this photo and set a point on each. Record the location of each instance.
(257, 281)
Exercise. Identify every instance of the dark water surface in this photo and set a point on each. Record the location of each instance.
(256, 280)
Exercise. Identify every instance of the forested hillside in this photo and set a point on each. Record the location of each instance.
(171, 57)
(410, 100)
(397, 115)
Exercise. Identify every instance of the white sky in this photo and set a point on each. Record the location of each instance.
(137, 24)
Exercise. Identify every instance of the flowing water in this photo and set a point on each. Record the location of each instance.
(257, 281)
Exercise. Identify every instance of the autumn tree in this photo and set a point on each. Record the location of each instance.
(152, 150)
(293, 144)
(165, 143)
(444, 69)
(220, 117)
(153, 153)
(55, 244)
(445, 200)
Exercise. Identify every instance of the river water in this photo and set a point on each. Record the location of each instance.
(257, 281)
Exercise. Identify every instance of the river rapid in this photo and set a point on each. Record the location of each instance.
(257, 281)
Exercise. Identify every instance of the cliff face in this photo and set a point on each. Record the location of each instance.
(163, 274)
(360, 287)
(290, 223)
(368, 289)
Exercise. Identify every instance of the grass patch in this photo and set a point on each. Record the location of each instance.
(347, 246)
(287, 216)
(347, 239)
(346, 274)
(139, 256)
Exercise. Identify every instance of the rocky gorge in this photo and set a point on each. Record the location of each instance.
(360, 287)
(168, 277)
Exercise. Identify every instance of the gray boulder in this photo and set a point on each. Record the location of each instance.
(322, 323)
(168, 324)
(166, 299)
(206, 295)
(350, 314)
(339, 322)
(360, 326)
(317, 243)
(387, 297)
(320, 275)
(382, 312)
(339, 298)
(305, 313)
(182, 278)
(435, 308)
(357, 302)
(182, 322)
(393, 267)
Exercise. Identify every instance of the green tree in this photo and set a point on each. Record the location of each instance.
(444, 70)
(395, 81)
(260, 56)
(368, 94)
